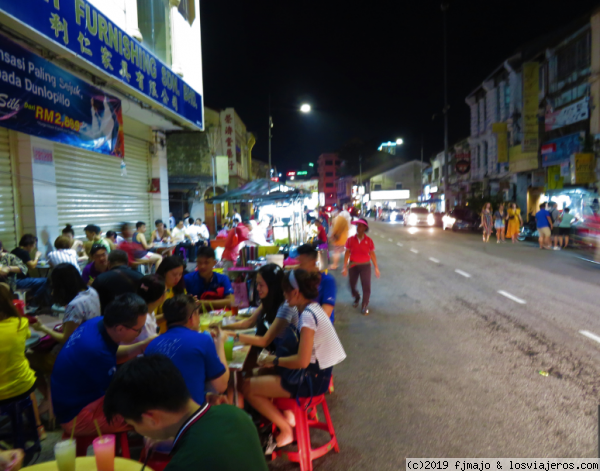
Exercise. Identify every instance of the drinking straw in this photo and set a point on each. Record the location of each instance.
(97, 428)
(211, 307)
(73, 429)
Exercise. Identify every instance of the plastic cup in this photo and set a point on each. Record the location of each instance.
(204, 323)
(104, 450)
(64, 453)
(229, 349)
(234, 310)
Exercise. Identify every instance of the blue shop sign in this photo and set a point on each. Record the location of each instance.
(561, 149)
(81, 28)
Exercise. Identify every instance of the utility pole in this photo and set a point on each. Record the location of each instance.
(270, 136)
(422, 193)
(360, 184)
(445, 7)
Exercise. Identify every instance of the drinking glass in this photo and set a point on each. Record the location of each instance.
(64, 452)
(104, 449)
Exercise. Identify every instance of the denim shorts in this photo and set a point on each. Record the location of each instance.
(319, 384)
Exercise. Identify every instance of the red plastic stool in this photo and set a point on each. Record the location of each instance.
(306, 454)
(83, 442)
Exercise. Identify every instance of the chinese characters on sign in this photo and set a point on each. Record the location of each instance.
(79, 27)
(228, 136)
(531, 71)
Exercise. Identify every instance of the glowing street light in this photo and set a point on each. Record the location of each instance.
(305, 108)
(399, 141)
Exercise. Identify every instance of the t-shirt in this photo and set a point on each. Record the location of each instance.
(232, 250)
(90, 273)
(360, 250)
(114, 282)
(197, 286)
(541, 218)
(83, 369)
(566, 220)
(8, 259)
(64, 256)
(327, 292)
(149, 330)
(178, 235)
(289, 314)
(85, 306)
(554, 215)
(327, 348)
(24, 256)
(193, 353)
(17, 377)
(218, 438)
(194, 232)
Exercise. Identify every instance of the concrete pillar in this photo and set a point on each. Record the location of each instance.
(37, 188)
(131, 18)
(177, 40)
(160, 200)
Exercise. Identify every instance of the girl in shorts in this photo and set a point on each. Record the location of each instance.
(499, 217)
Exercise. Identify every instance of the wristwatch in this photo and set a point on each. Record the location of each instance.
(276, 361)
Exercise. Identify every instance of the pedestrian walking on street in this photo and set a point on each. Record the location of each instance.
(486, 221)
(514, 222)
(555, 216)
(564, 227)
(544, 227)
(360, 252)
(499, 217)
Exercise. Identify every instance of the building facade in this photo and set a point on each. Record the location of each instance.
(328, 167)
(92, 95)
(398, 186)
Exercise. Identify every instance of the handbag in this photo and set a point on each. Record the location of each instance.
(47, 343)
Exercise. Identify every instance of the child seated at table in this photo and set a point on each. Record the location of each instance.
(195, 354)
(87, 362)
(151, 395)
(210, 288)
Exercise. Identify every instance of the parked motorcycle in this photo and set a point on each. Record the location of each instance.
(529, 231)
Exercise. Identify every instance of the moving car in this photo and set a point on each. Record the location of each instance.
(418, 217)
(461, 219)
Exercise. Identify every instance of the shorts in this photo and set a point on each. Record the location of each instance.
(318, 384)
(499, 224)
(564, 231)
(544, 232)
(555, 231)
(338, 248)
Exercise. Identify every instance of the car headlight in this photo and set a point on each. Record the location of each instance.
(430, 219)
(449, 220)
(413, 219)
(393, 216)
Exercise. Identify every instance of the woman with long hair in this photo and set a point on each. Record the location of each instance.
(514, 222)
(499, 217)
(152, 290)
(273, 314)
(17, 380)
(171, 269)
(318, 351)
(486, 221)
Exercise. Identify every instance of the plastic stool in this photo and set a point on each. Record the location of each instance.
(306, 454)
(83, 442)
(23, 431)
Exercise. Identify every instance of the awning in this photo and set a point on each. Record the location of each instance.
(257, 191)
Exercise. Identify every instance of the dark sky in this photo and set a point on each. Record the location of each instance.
(372, 70)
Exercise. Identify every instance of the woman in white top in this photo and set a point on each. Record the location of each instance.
(152, 290)
(273, 314)
(319, 350)
(64, 253)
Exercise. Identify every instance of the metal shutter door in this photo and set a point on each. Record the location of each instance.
(8, 234)
(91, 190)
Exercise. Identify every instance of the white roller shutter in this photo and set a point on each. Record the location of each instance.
(8, 233)
(91, 190)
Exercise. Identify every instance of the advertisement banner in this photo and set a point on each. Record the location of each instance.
(41, 99)
(228, 136)
(81, 28)
(531, 90)
(519, 161)
(555, 180)
(560, 149)
(583, 169)
(578, 111)
(222, 170)
(501, 131)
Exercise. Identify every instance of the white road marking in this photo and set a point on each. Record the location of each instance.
(399, 244)
(434, 260)
(589, 335)
(414, 250)
(463, 273)
(390, 240)
(510, 296)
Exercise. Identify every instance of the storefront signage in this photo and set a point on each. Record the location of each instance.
(583, 169)
(82, 29)
(501, 131)
(463, 162)
(519, 161)
(531, 80)
(41, 99)
(390, 195)
(574, 113)
(562, 149)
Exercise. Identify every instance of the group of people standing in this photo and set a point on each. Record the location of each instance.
(506, 222)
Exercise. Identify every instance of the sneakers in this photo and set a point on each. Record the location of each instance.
(557, 248)
(365, 310)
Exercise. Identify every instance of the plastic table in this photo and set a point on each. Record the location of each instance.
(88, 463)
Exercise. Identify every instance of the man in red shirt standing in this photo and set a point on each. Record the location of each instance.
(360, 252)
(236, 238)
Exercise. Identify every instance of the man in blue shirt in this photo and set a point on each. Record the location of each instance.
(85, 365)
(544, 226)
(307, 256)
(195, 355)
(209, 287)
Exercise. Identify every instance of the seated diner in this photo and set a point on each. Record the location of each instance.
(211, 289)
(64, 253)
(99, 264)
(171, 269)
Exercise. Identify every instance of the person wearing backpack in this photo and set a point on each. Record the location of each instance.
(304, 358)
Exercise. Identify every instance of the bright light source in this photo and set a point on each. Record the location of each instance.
(280, 174)
(399, 142)
(305, 108)
(311, 164)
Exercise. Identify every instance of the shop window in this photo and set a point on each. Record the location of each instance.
(377, 187)
(153, 22)
(398, 186)
(329, 174)
(329, 185)
(573, 58)
(436, 174)
(485, 155)
(329, 162)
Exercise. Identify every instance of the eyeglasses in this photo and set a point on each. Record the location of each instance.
(138, 331)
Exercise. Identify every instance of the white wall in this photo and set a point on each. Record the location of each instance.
(114, 10)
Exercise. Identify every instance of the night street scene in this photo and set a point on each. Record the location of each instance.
(275, 236)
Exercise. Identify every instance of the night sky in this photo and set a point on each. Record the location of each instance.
(372, 70)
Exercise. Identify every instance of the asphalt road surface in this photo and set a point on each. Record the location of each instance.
(471, 350)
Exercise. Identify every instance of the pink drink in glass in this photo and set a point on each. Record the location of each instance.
(104, 449)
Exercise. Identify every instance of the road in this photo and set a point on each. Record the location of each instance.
(448, 362)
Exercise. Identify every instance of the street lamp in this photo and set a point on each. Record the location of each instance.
(305, 108)
(399, 141)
